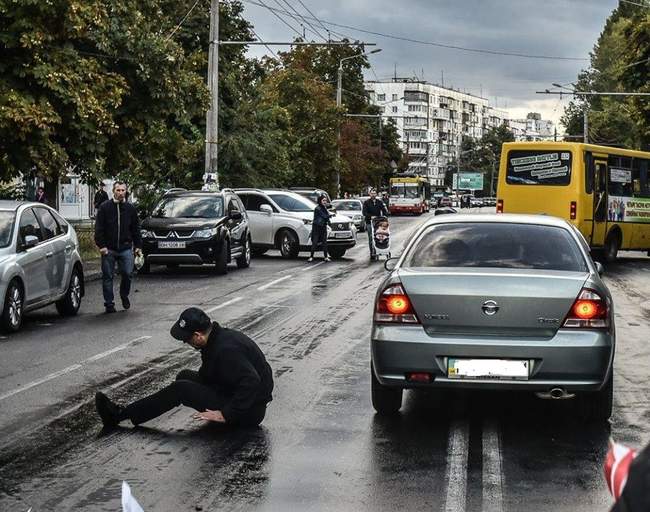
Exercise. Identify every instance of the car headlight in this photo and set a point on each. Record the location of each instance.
(307, 222)
(145, 233)
(205, 233)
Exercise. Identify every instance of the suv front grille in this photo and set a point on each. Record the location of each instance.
(340, 226)
(161, 233)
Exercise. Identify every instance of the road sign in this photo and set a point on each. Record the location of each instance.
(469, 181)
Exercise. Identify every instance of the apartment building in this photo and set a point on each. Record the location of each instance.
(433, 120)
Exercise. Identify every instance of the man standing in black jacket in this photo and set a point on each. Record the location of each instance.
(373, 207)
(232, 386)
(117, 235)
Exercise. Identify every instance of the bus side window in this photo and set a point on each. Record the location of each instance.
(640, 178)
(589, 173)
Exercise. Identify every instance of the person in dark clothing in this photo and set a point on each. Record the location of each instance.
(40, 196)
(100, 196)
(233, 385)
(373, 207)
(117, 235)
(319, 227)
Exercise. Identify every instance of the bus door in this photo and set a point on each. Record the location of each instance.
(599, 224)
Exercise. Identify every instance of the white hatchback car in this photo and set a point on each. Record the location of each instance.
(281, 219)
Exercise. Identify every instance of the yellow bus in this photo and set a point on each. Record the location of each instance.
(603, 191)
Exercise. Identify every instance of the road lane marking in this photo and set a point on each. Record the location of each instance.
(116, 349)
(492, 468)
(312, 267)
(228, 303)
(456, 472)
(41, 381)
(69, 369)
(268, 285)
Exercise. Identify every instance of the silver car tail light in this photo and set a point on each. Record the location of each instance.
(589, 311)
(394, 306)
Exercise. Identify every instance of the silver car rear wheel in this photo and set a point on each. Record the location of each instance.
(12, 314)
(71, 302)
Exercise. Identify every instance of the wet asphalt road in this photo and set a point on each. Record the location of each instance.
(321, 447)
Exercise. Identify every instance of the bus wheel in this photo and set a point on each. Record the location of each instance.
(612, 244)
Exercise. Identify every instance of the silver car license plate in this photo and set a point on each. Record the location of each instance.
(487, 369)
(171, 245)
(341, 235)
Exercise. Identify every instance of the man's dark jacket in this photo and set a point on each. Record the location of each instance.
(233, 363)
(374, 208)
(117, 226)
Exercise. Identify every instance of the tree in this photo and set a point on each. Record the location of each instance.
(482, 156)
(611, 119)
(312, 118)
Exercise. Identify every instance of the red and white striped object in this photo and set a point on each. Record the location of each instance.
(617, 465)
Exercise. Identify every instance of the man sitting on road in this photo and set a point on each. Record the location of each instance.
(232, 386)
(373, 207)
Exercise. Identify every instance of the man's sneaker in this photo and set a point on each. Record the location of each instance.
(126, 303)
(110, 309)
(327, 259)
(110, 413)
(310, 260)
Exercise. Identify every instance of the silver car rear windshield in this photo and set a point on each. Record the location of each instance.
(6, 227)
(497, 245)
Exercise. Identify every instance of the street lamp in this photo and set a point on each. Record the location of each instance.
(339, 92)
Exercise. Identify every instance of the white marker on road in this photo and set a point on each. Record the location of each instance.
(492, 468)
(311, 267)
(69, 369)
(456, 472)
(228, 303)
(41, 381)
(268, 285)
(116, 349)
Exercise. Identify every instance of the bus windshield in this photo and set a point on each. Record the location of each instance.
(539, 168)
(407, 190)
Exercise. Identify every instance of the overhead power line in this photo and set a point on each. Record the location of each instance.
(272, 10)
(635, 3)
(313, 29)
(267, 46)
(436, 44)
(313, 16)
(180, 23)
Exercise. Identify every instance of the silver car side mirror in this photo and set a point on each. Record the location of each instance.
(265, 208)
(30, 241)
(390, 264)
(599, 268)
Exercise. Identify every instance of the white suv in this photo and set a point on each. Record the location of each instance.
(280, 219)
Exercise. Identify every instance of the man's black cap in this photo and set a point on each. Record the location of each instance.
(191, 320)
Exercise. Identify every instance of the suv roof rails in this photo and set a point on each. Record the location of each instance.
(246, 188)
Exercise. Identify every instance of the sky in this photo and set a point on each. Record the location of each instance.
(551, 28)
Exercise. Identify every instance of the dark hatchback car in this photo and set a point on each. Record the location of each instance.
(196, 227)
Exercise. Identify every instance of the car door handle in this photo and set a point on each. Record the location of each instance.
(49, 254)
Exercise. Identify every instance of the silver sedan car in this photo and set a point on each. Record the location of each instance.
(39, 262)
(502, 302)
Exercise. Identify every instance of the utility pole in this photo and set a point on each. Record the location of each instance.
(211, 177)
(585, 116)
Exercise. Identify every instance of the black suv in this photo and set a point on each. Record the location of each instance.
(196, 227)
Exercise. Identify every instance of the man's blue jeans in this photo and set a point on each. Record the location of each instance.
(124, 261)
